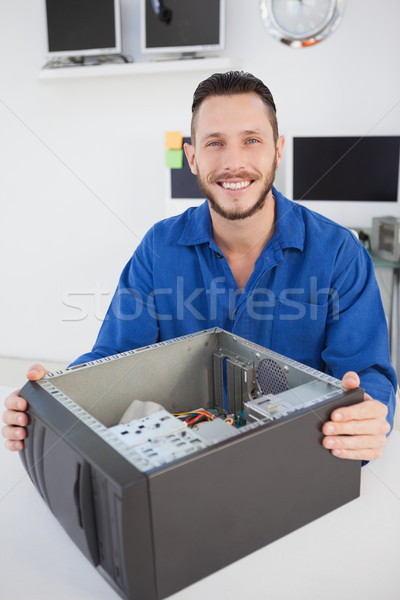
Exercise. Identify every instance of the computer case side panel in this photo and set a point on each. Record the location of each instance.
(244, 494)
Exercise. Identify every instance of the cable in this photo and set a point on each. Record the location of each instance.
(162, 12)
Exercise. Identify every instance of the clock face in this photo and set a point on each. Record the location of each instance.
(301, 22)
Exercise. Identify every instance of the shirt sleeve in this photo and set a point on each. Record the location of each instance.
(356, 331)
(131, 320)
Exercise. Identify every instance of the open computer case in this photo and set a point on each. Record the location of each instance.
(156, 504)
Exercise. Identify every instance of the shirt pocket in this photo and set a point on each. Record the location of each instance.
(298, 331)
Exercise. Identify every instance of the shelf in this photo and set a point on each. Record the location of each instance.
(138, 68)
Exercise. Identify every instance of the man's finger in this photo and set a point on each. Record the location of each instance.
(36, 372)
(354, 442)
(13, 433)
(14, 417)
(15, 402)
(369, 409)
(350, 380)
(367, 426)
(361, 454)
(14, 446)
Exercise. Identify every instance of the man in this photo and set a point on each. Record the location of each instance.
(254, 263)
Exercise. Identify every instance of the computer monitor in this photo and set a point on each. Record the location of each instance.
(356, 176)
(83, 27)
(346, 168)
(182, 26)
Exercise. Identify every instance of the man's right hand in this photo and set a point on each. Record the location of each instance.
(15, 416)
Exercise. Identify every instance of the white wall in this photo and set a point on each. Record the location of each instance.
(82, 161)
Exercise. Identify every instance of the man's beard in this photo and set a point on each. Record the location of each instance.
(234, 215)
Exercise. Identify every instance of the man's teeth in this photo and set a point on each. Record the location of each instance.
(235, 186)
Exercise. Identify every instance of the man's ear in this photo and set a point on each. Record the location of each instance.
(279, 150)
(189, 151)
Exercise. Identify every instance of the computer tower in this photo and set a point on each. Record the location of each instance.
(156, 504)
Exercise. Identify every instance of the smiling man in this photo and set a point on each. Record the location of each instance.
(235, 153)
(254, 263)
(217, 124)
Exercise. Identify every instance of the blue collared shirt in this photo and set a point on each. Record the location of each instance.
(312, 295)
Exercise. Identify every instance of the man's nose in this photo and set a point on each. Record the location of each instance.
(234, 158)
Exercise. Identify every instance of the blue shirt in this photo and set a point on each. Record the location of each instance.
(312, 295)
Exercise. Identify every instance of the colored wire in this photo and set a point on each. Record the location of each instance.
(195, 416)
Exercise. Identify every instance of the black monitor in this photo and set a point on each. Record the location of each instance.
(340, 168)
(83, 27)
(182, 26)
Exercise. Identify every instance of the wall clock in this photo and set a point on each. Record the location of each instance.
(301, 23)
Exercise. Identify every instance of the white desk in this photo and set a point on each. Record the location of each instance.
(351, 553)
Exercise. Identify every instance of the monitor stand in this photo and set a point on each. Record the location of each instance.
(182, 56)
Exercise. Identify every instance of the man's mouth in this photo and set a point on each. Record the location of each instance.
(235, 185)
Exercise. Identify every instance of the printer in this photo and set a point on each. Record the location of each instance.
(385, 238)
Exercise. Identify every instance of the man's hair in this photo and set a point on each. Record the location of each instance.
(229, 84)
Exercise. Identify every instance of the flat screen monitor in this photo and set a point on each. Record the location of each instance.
(339, 168)
(83, 27)
(182, 26)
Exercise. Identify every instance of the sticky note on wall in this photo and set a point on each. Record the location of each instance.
(174, 140)
(174, 159)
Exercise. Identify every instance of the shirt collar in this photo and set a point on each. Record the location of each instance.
(289, 229)
(289, 225)
(198, 229)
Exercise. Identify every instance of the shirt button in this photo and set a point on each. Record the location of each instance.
(219, 255)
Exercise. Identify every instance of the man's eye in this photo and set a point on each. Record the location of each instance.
(252, 141)
(214, 144)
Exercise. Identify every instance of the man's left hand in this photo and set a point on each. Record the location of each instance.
(359, 431)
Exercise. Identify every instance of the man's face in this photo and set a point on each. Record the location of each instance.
(234, 155)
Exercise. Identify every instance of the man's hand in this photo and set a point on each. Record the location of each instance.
(359, 431)
(15, 417)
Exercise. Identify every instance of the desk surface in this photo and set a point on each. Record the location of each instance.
(353, 552)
